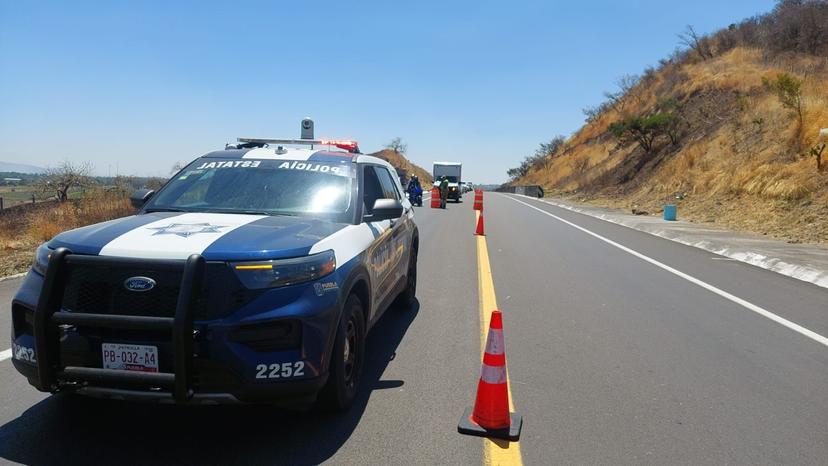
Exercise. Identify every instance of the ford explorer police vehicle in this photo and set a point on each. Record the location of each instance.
(253, 275)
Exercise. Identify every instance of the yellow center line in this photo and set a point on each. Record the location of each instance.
(495, 451)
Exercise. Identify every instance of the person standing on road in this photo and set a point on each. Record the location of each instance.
(443, 191)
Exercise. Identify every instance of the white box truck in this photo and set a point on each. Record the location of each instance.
(452, 171)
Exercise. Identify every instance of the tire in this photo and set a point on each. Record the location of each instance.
(347, 359)
(406, 298)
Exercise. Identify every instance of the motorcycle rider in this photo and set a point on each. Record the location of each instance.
(415, 191)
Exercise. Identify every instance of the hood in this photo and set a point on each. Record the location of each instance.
(171, 235)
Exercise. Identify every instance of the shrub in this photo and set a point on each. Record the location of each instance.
(646, 129)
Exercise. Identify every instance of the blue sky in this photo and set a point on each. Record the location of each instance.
(134, 87)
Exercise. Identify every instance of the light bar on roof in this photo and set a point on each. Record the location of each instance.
(279, 141)
(345, 144)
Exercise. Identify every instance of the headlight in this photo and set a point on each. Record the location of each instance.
(41, 259)
(276, 273)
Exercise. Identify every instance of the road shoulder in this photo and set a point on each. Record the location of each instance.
(808, 263)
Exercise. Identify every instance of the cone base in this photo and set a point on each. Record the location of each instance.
(469, 427)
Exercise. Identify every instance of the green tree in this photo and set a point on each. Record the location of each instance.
(646, 129)
(788, 90)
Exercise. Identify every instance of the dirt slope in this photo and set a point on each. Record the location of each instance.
(399, 161)
(741, 160)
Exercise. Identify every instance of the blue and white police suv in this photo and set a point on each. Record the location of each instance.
(253, 275)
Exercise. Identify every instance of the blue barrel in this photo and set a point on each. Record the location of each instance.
(670, 212)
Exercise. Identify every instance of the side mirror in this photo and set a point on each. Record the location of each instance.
(140, 197)
(386, 209)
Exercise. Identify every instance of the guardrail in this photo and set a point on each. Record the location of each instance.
(531, 190)
(9, 204)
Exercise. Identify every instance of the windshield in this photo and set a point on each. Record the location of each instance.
(270, 187)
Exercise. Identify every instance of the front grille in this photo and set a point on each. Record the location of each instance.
(100, 290)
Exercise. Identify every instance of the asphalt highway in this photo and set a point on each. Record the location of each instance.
(622, 348)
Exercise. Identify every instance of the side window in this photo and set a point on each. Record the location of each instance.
(372, 189)
(389, 188)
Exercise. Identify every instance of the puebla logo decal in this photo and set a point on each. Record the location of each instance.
(185, 230)
(322, 288)
(139, 284)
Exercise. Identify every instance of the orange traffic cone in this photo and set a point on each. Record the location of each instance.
(478, 199)
(479, 230)
(490, 416)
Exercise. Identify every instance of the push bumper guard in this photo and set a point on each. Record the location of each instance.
(47, 318)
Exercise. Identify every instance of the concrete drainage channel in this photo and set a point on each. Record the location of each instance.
(12, 277)
(806, 263)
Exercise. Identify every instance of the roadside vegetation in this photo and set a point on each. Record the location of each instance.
(728, 127)
(67, 197)
(23, 228)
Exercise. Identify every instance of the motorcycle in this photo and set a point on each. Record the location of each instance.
(415, 196)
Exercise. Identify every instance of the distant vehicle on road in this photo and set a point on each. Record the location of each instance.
(452, 171)
(253, 276)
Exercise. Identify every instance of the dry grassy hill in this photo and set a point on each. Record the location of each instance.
(399, 161)
(725, 146)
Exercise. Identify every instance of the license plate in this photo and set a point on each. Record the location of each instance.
(123, 357)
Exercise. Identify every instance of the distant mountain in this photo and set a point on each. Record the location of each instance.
(20, 168)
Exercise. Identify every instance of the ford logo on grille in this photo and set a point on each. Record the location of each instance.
(139, 283)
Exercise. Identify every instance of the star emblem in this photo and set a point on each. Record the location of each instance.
(185, 230)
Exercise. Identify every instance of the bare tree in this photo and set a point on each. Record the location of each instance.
(177, 166)
(59, 180)
(800, 25)
(626, 83)
(698, 43)
(594, 112)
(397, 145)
(615, 100)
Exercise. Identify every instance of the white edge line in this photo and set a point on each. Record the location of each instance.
(724, 294)
(6, 354)
(800, 272)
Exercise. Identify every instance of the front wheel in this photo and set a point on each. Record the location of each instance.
(347, 359)
(406, 299)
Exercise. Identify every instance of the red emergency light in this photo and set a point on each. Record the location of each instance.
(345, 144)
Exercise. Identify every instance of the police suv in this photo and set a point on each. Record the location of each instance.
(253, 275)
